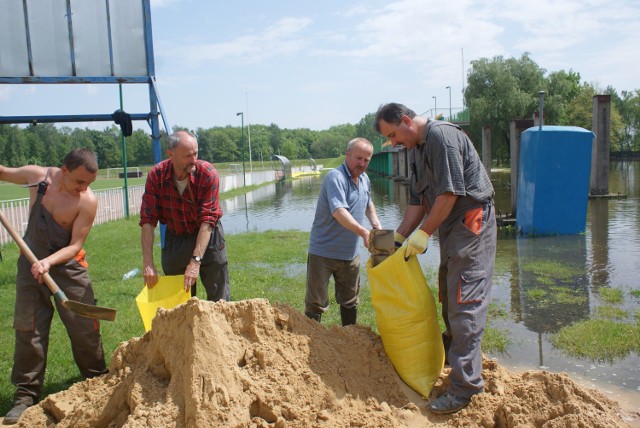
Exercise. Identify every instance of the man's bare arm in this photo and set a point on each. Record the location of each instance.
(193, 268)
(344, 217)
(439, 212)
(412, 218)
(28, 174)
(148, 267)
(372, 215)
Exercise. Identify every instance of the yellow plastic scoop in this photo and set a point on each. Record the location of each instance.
(167, 293)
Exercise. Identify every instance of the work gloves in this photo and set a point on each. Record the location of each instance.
(417, 243)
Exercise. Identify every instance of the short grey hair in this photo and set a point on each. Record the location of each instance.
(176, 138)
(351, 144)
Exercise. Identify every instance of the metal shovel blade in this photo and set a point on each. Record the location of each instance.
(90, 311)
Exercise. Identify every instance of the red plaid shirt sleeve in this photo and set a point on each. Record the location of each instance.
(199, 203)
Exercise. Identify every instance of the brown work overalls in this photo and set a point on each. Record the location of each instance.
(34, 309)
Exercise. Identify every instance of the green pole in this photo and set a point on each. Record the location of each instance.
(124, 163)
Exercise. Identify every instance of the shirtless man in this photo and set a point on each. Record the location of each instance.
(62, 210)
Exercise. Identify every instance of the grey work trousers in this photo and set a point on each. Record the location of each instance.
(467, 260)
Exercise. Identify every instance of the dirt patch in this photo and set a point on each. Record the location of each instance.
(251, 364)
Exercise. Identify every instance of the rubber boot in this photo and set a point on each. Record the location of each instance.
(348, 315)
(316, 317)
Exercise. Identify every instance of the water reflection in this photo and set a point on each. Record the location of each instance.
(545, 283)
(551, 282)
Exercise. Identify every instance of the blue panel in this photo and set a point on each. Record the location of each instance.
(553, 180)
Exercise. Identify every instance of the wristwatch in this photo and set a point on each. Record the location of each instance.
(197, 259)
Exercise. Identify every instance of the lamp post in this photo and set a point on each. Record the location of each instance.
(435, 107)
(450, 115)
(244, 175)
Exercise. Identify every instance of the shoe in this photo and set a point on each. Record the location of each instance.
(14, 414)
(317, 317)
(448, 403)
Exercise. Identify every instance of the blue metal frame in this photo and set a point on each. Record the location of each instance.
(155, 109)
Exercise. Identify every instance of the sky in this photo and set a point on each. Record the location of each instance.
(317, 64)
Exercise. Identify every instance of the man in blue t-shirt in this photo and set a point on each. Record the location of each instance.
(344, 201)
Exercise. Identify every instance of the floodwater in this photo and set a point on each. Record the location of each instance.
(542, 283)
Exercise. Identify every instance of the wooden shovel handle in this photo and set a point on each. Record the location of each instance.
(24, 248)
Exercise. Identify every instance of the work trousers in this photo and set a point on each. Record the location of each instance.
(467, 257)
(214, 273)
(32, 323)
(346, 274)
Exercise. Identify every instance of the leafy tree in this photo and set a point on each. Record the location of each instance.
(260, 147)
(579, 109)
(328, 145)
(289, 149)
(106, 149)
(299, 141)
(13, 147)
(561, 88)
(275, 138)
(500, 90)
(219, 144)
(55, 143)
(34, 149)
(139, 149)
(628, 104)
(579, 112)
(366, 129)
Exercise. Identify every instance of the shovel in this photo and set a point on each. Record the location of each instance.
(81, 309)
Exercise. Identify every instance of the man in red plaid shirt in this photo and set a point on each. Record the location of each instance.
(182, 193)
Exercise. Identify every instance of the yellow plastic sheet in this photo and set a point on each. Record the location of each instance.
(167, 293)
(407, 320)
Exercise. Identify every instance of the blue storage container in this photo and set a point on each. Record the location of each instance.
(553, 180)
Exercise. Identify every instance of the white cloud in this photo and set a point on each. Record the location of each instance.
(285, 37)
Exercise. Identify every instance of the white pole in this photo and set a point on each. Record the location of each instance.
(249, 132)
(462, 53)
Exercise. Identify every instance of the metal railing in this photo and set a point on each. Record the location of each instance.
(111, 204)
(110, 207)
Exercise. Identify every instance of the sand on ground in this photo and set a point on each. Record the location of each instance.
(253, 364)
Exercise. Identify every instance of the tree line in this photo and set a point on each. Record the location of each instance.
(502, 89)
(46, 144)
(498, 91)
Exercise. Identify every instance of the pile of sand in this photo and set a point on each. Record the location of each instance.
(250, 364)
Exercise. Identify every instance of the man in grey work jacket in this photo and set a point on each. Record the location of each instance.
(344, 200)
(450, 192)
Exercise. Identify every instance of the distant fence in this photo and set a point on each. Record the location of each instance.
(110, 207)
(111, 202)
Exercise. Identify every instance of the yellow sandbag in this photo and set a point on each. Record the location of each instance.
(407, 320)
(167, 293)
